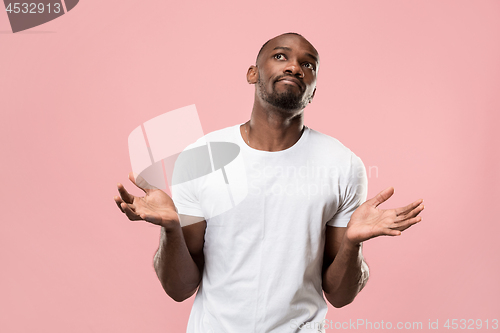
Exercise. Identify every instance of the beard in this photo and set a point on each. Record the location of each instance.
(287, 100)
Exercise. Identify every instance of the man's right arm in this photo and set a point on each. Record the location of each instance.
(179, 260)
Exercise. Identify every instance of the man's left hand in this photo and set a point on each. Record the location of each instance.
(368, 221)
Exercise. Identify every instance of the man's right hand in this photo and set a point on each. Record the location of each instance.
(155, 207)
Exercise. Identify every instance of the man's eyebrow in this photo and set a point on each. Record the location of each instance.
(282, 48)
(289, 49)
(314, 57)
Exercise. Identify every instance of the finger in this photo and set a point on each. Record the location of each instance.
(381, 197)
(403, 225)
(417, 210)
(130, 214)
(118, 202)
(127, 197)
(391, 232)
(406, 209)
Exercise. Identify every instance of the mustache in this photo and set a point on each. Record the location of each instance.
(292, 78)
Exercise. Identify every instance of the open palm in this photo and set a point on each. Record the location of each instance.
(368, 221)
(156, 206)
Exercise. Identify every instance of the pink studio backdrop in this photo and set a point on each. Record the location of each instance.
(412, 87)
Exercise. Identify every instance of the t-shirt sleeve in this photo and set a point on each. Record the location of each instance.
(353, 194)
(185, 199)
(184, 193)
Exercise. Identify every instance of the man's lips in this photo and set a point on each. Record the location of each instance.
(291, 80)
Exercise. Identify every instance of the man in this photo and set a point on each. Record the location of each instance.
(263, 266)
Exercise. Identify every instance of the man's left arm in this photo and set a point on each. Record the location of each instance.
(345, 272)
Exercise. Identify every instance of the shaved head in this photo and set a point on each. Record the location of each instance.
(285, 34)
(285, 72)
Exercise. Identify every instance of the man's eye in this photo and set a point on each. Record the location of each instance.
(279, 56)
(309, 65)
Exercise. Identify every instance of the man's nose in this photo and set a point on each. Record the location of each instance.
(294, 68)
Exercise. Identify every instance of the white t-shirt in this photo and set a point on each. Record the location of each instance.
(266, 216)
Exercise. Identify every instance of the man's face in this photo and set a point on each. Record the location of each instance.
(287, 69)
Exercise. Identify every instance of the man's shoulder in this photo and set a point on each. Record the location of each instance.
(332, 152)
(327, 142)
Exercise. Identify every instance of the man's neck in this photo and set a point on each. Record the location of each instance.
(271, 129)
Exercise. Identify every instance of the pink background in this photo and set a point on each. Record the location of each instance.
(412, 87)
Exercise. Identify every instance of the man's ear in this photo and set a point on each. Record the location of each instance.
(252, 74)
(312, 96)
